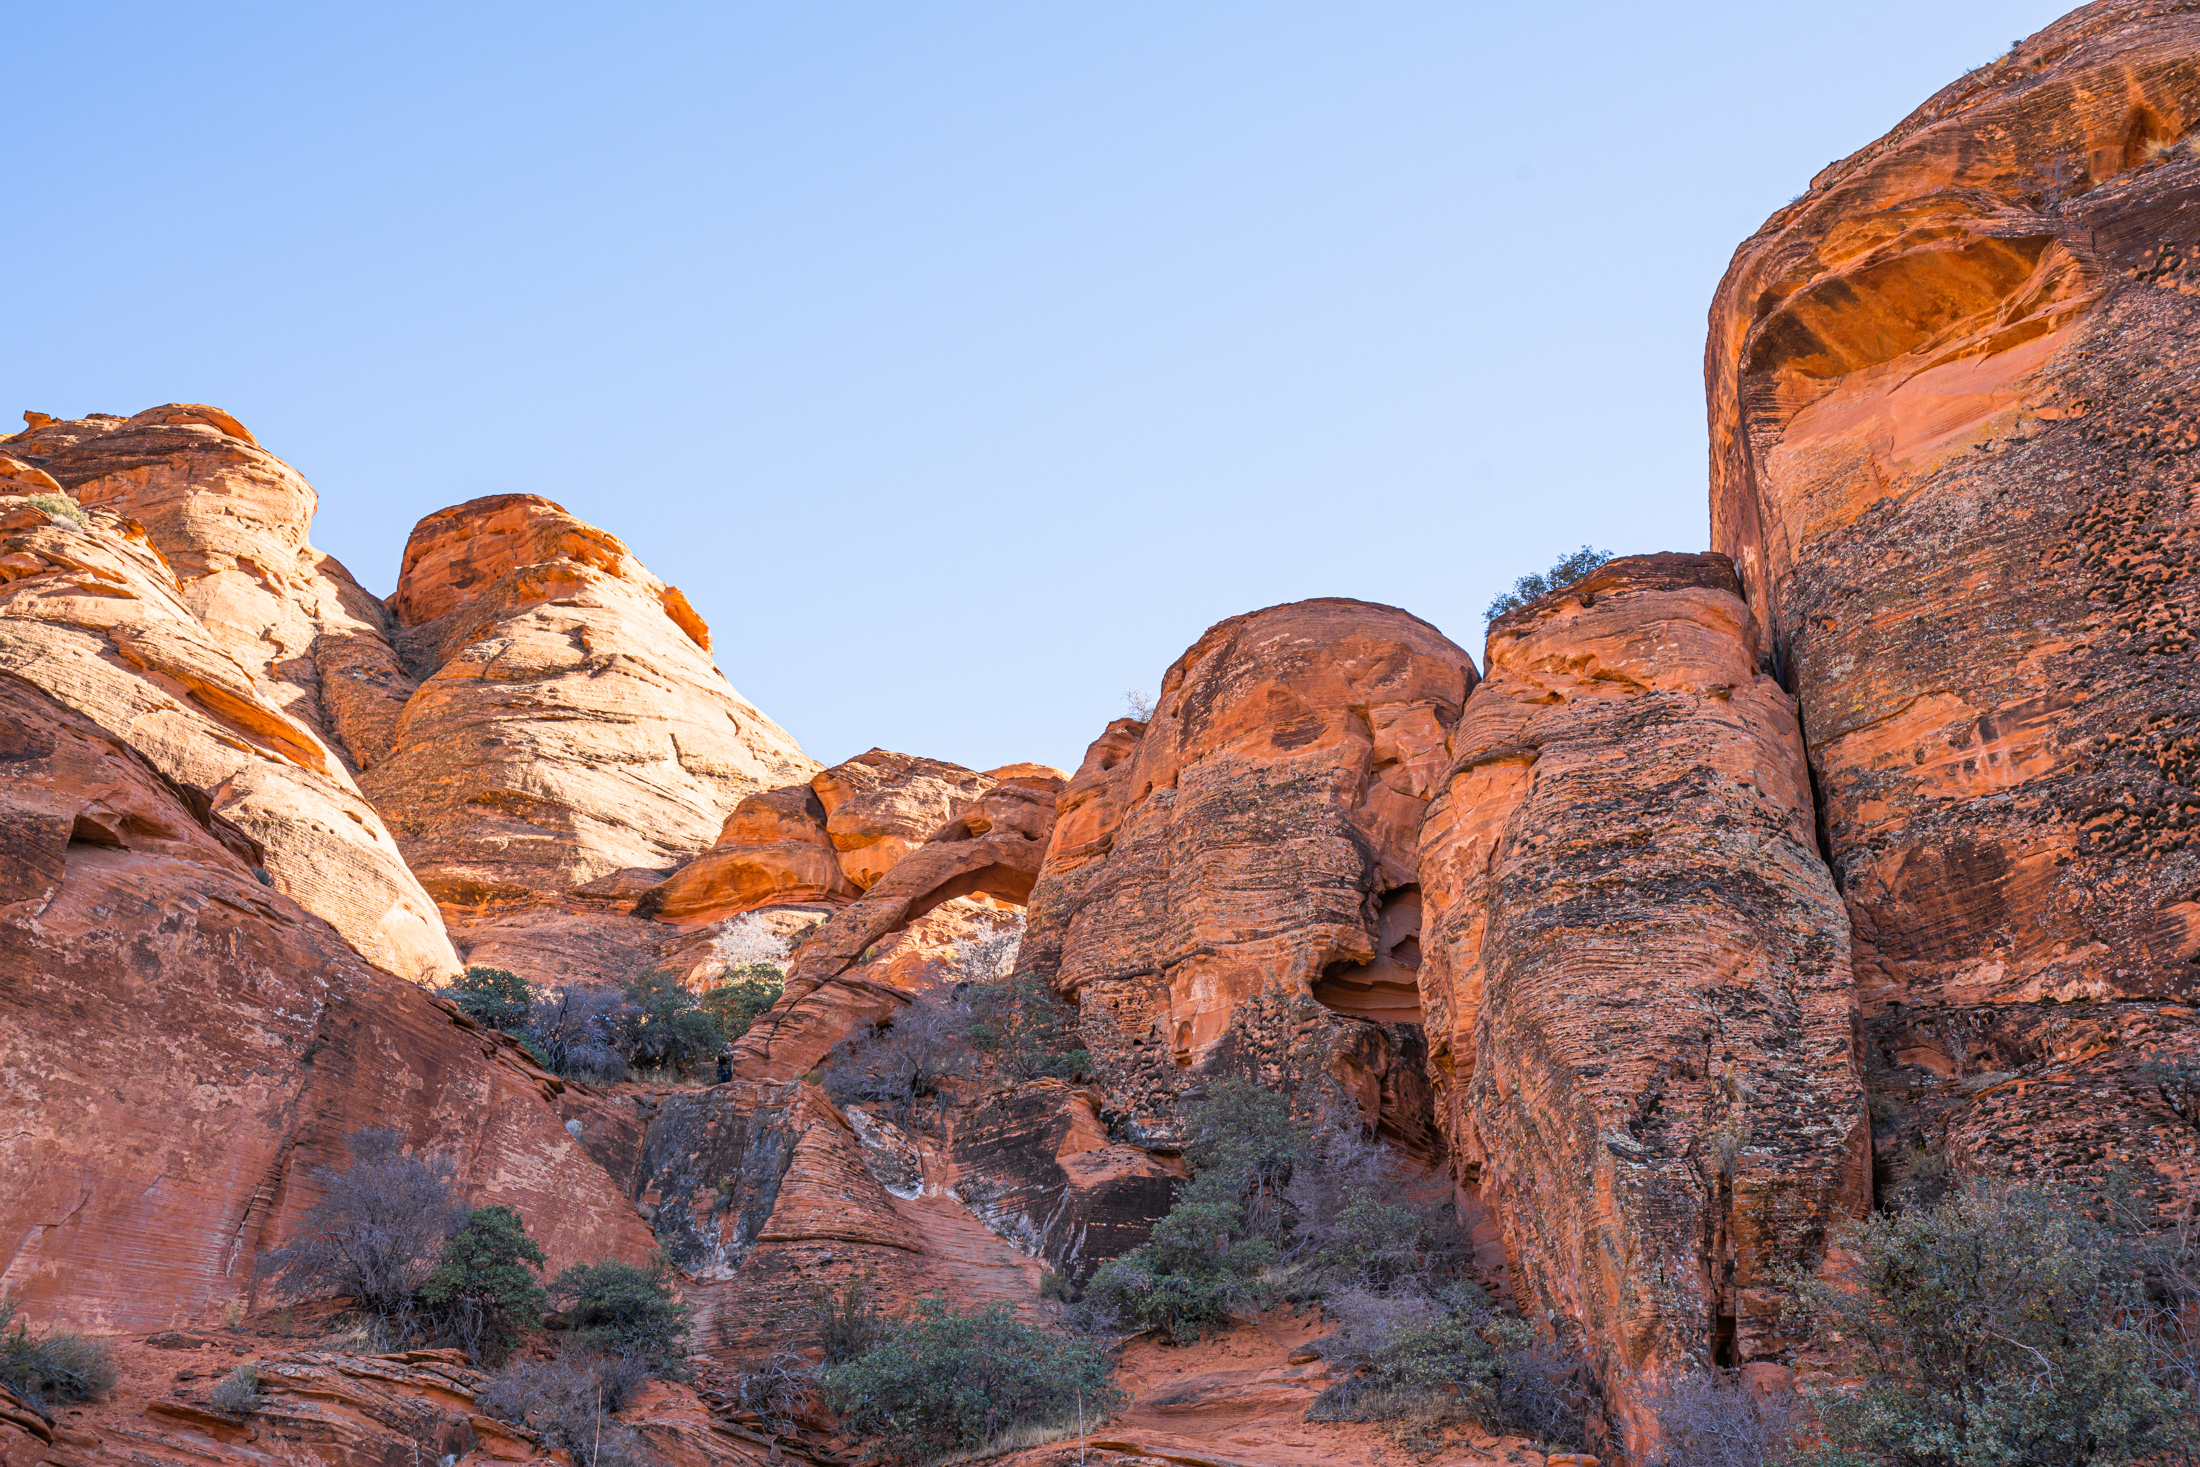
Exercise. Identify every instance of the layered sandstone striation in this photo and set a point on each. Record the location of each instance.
(1636, 975)
(1215, 871)
(1953, 417)
(92, 613)
(570, 743)
(186, 1047)
(773, 850)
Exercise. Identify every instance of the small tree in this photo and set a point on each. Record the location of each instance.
(904, 1060)
(671, 1026)
(741, 1000)
(1564, 571)
(584, 1033)
(376, 1229)
(60, 1365)
(942, 1381)
(748, 943)
(618, 1308)
(484, 1289)
(2001, 1326)
(493, 997)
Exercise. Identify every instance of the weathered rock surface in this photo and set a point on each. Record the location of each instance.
(1953, 413)
(880, 806)
(571, 741)
(1636, 975)
(183, 1046)
(1211, 867)
(92, 614)
(773, 850)
(231, 520)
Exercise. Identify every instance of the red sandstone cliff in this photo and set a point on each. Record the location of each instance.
(1636, 976)
(1212, 867)
(1952, 416)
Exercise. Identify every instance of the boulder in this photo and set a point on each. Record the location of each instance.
(1953, 414)
(186, 1047)
(1636, 977)
(91, 613)
(1213, 872)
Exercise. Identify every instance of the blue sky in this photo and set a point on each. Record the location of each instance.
(961, 362)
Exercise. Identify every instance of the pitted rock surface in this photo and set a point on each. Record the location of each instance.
(1954, 414)
(1636, 977)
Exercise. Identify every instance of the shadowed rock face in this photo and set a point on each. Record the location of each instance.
(183, 1046)
(571, 741)
(93, 615)
(1636, 975)
(1210, 867)
(1953, 408)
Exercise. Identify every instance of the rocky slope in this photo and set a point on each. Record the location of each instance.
(1213, 867)
(1953, 415)
(1636, 976)
(184, 1047)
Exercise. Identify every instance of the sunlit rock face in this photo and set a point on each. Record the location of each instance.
(1231, 885)
(1954, 403)
(1635, 976)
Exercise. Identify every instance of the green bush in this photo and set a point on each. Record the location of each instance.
(1193, 1275)
(1025, 1030)
(618, 1308)
(671, 1027)
(60, 1365)
(493, 997)
(747, 994)
(238, 1393)
(483, 1290)
(2000, 1328)
(939, 1381)
(1566, 570)
(61, 507)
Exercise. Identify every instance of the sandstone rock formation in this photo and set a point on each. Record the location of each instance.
(184, 1048)
(773, 850)
(231, 520)
(571, 741)
(880, 806)
(1209, 868)
(1636, 975)
(1953, 415)
(91, 613)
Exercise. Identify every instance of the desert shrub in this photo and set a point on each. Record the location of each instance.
(1564, 571)
(1348, 1231)
(618, 1308)
(1716, 1419)
(375, 1231)
(1194, 1273)
(775, 1387)
(1424, 1361)
(847, 1321)
(1138, 704)
(493, 997)
(60, 1365)
(582, 1033)
(941, 1381)
(741, 1000)
(61, 506)
(483, 1291)
(570, 1402)
(1026, 1030)
(238, 1393)
(905, 1060)
(2003, 1326)
(669, 1025)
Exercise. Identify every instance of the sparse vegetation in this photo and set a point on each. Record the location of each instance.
(493, 997)
(375, 1231)
(483, 1291)
(669, 1027)
(1018, 1022)
(55, 1367)
(775, 1388)
(61, 507)
(617, 1308)
(2005, 1325)
(905, 1060)
(1138, 704)
(582, 1033)
(570, 1403)
(1716, 1419)
(749, 942)
(848, 1321)
(940, 1381)
(238, 1393)
(1564, 571)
